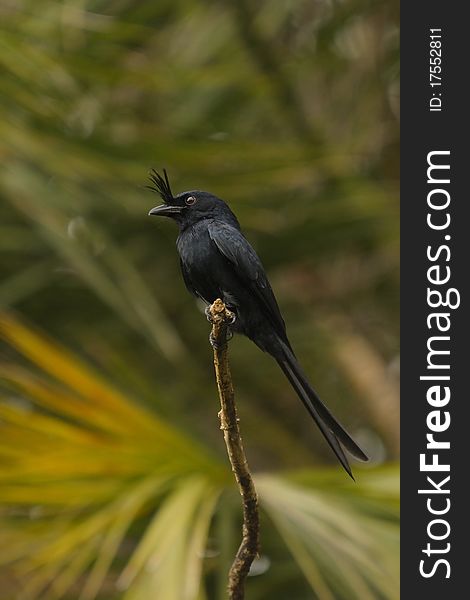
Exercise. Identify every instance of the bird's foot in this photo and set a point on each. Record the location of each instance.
(216, 343)
(220, 317)
(209, 317)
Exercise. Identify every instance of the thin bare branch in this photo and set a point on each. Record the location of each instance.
(221, 318)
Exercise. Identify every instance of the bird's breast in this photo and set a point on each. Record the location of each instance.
(202, 263)
(195, 248)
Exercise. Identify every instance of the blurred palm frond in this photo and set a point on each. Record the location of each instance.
(93, 484)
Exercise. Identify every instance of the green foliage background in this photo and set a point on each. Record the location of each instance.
(114, 481)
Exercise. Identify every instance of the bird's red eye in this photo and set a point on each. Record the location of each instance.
(190, 200)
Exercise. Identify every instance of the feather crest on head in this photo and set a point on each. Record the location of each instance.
(161, 185)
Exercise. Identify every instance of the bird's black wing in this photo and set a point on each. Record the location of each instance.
(247, 265)
(233, 245)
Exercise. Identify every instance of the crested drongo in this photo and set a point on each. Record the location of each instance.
(217, 261)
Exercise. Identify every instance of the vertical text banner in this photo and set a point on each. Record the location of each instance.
(435, 249)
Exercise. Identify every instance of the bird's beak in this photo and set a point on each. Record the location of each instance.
(165, 210)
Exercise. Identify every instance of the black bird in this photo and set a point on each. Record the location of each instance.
(218, 262)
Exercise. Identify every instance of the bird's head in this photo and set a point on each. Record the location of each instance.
(187, 208)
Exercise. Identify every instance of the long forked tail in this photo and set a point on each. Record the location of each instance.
(333, 431)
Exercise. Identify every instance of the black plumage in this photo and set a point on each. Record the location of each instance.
(217, 261)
